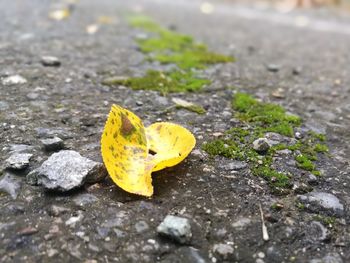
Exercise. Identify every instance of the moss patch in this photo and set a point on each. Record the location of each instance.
(270, 117)
(165, 82)
(169, 47)
(260, 118)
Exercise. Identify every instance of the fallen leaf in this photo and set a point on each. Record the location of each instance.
(59, 14)
(278, 93)
(180, 103)
(108, 20)
(92, 29)
(170, 143)
(132, 152)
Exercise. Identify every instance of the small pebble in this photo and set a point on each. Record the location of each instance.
(261, 145)
(176, 228)
(223, 251)
(273, 68)
(13, 80)
(53, 144)
(50, 61)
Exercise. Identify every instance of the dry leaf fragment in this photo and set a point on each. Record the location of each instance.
(131, 153)
(59, 14)
(92, 29)
(180, 103)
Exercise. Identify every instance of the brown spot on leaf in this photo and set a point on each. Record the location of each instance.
(127, 128)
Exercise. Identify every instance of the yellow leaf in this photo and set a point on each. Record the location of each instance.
(124, 152)
(170, 142)
(131, 153)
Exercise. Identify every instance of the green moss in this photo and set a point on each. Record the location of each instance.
(221, 147)
(174, 81)
(274, 178)
(300, 206)
(319, 136)
(169, 47)
(168, 41)
(194, 108)
(144, 22)
(193, 59)
(277, 206)
(305, 163)
(270, 117)
(326, 220)
(321, 148)
(316, 172)
(260, 118)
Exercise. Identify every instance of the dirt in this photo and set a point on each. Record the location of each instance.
(222, 203)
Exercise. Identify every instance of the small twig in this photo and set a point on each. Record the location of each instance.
(264, 228)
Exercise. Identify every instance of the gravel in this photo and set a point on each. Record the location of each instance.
(50, 61)
(176, 228)
(14, 80)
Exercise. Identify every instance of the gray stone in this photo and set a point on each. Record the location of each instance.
(53, 144)
(234, 165)
(84, 199)
(176, 228)
(329, 258)
(19, 148)
(223, 251)
(14, 80)
(322, 202)
(274, 138)
(241, 223)
(199, 154)
(18, 161)
(273, 67)
(297, 70)
(10, 185)
(72, 221)
(261, 145)
(50, 61)
(312, 179)
(65, 170)
(317, 232)
(141, 226)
